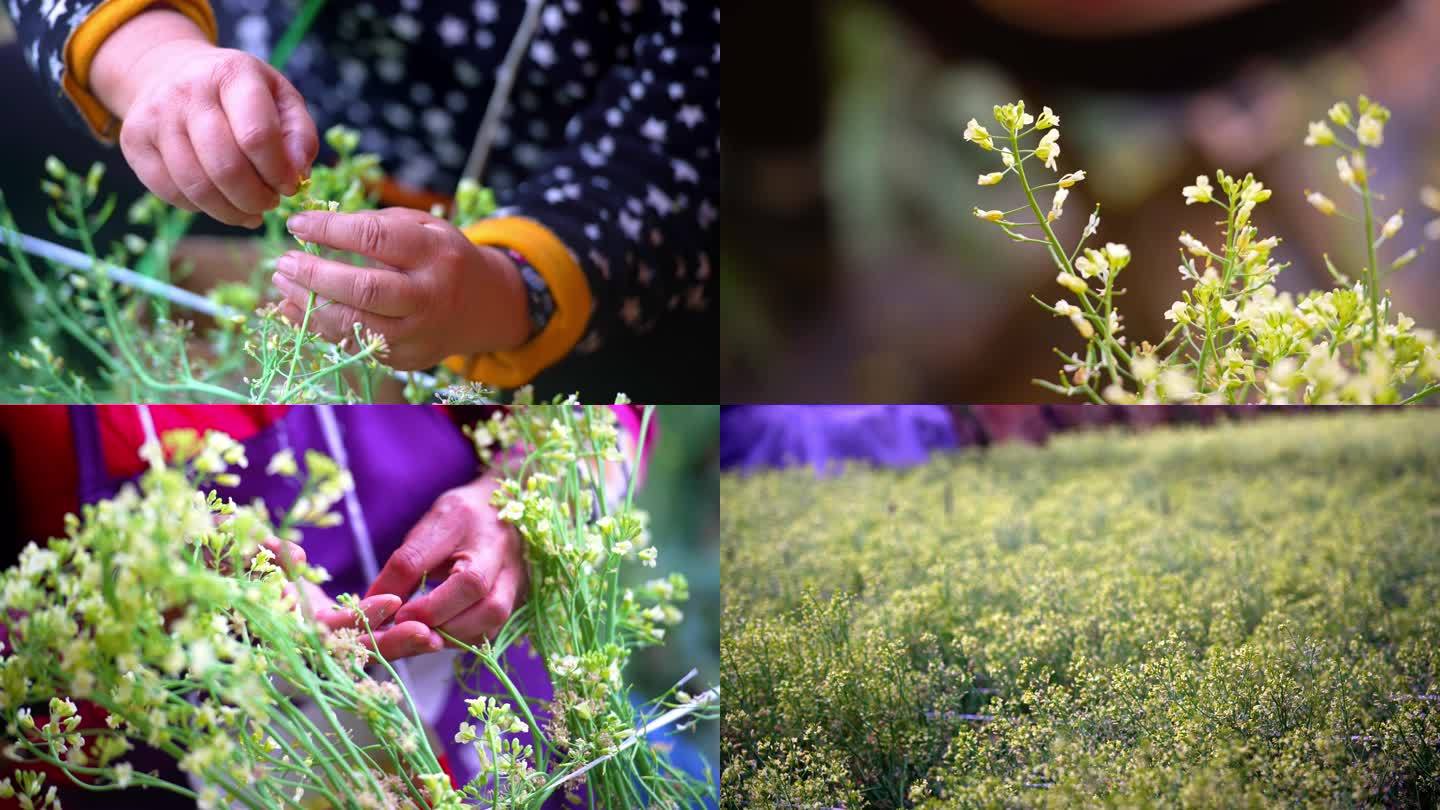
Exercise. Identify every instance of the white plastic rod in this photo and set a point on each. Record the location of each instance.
(79, 261)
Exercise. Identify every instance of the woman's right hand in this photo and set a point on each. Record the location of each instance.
(205, 128)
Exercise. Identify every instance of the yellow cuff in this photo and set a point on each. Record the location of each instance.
(554, 262)
(85, 41)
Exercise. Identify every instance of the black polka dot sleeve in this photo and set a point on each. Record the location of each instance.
(42, 27)
(635, 194)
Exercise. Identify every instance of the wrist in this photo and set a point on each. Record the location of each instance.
(504, 299)
(145, 48)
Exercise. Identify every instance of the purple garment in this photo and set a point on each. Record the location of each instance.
(402, 458)
(825, 436)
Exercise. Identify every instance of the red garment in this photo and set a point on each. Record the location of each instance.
(46, 475)
(47, 478)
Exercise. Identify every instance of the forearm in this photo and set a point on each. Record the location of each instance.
(135, 50)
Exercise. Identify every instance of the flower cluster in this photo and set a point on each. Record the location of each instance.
(1235, 338)
(1240, 615)
(579, 616)
(163, 608)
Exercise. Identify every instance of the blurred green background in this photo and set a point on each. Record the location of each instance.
(682, 494)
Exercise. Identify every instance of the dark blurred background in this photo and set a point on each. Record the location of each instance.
(853, 269)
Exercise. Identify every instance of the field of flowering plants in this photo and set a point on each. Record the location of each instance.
(1233, 616)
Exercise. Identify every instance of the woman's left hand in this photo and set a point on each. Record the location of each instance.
(431, 292)
(480, 558)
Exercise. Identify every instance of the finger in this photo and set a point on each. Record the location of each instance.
(431, 542)
(373, 235)
(144, 157)
(227, 166)
(482, 621)
(377, 610)
(195, 184)
(333, 321)
(470, 582)
(302, 143)
(249, 107)
(287, 552)
(291, 311)
(404, 640)
(383, 292)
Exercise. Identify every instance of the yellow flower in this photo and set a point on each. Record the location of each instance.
(1118, 255)
(1195, 246)
(1048, 149)
(991, 179)
(1320, 134)
(1370, 130)
(1340, 113)
(1200, 192)
(1092, 264)
(1321, 203)
(978, 135)
(1057, 204)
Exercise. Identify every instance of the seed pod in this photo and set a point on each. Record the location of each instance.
(93, 177)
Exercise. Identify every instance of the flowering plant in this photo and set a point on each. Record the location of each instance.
(1235, 338)
(143, 351)
(183, 618)
(1234, 616)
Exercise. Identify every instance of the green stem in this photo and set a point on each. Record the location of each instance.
(1057, 252)
(1372, 270)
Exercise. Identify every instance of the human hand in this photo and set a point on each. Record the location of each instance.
(205, 128)
(432, 292)
(480, 557)
(328, 613)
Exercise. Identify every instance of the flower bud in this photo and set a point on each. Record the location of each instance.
(55, 168)
(1072, 282)
(1319, 135)
(990, 216)
(1392, 225)
(93, 178)
(990, 179)
(1340, 113)
(1320, 202)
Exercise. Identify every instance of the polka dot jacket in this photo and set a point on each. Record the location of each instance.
(610, 138)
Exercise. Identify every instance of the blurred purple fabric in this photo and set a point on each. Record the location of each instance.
(825, 436)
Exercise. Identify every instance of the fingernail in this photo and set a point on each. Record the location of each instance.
(383, 607)
(299, 222)
(434, 643)
(286, 265)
